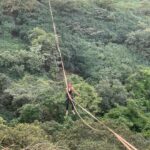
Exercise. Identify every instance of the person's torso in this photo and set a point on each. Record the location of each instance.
(70, 91)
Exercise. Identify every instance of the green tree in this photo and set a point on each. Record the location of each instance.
(21, 136)
(138, 84)
(4, 82)
(16, 63)
(14, 6)
(88, 96)
(139, 40)
(44, 43)
(112, 93)
(132, 116)
(29, 113)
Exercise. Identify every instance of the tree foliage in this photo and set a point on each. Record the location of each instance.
(112, 93)
(139, 40)
(17, 62)
(14, 6)
(21, 135)
(104, 45)
(138, 84)
(44, 43)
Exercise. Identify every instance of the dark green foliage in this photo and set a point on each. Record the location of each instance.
(132, 116)
(80, 137)
(13, 7)
(21, 135)
(41, 99)
(44, 43)
(29, 113)
(107, 4)
(136, 114)
(5, 97)
(30, 91)
(112, 93)
(88, 96)
(17, 62)
(139, 84)
(4, 82)
(103, 42)
(139, 40)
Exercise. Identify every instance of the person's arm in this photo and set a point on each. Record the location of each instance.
(75, 92)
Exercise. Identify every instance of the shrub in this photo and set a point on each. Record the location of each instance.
(4, 82)
(22, 135)
(29, 113)
(44, 43)
(72, 6)
(12, 7)
(132, 116)
(139, 40)
(18, 62)
(138, 84)
(88, 96)
(112, 93)
(107, 4)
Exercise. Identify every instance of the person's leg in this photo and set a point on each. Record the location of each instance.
(67, 106)
(72, 103)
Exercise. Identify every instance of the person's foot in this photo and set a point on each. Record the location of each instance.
(73, 112)
(67, 113)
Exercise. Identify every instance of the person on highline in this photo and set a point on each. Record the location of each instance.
(70, 97)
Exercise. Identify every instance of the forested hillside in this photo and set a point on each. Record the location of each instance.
(105, 46)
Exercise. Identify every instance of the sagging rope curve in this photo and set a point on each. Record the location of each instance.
(118, 137)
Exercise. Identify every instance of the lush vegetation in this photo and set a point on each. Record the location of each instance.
(105, 45)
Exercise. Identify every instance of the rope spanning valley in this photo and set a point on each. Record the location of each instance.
(118, 137)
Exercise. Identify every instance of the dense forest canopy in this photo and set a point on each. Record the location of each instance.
(105, 46)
